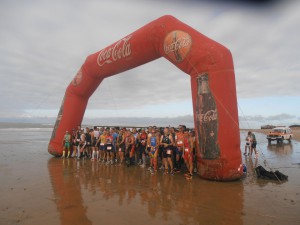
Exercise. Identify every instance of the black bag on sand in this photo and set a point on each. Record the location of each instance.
(269, 175)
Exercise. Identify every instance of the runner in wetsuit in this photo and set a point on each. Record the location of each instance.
(153, 142)
(167, 142)
(109, 148)
(121, 146)
(88, 146)
(95, 137)
(115, 150)
(193, 136)
(188, 145)
(66, 144)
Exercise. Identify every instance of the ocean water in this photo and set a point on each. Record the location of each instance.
(39, 189)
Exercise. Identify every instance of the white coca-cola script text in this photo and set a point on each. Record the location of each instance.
(121, 49)
(178, 44)
(210, 115)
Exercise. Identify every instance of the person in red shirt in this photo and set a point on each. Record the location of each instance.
(179, 147)
(142, 140)
(188, 145)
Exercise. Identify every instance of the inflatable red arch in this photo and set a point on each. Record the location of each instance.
(210, 67)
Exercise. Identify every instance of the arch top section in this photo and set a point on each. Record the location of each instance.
(165, 37)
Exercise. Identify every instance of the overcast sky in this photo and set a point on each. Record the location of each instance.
(44, 43)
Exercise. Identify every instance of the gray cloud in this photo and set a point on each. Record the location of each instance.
(256, 121)
(43, 44)
(282, 116)
(261, 118)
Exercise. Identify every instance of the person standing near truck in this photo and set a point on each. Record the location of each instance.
(248, 144)
(253, 145)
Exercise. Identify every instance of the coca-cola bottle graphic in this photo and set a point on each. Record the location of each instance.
(176, 50)
(206, 119)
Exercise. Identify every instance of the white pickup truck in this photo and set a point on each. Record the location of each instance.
(280, 134)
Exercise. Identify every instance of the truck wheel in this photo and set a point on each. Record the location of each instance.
(269, 141)
(290, 139)
(281, 140)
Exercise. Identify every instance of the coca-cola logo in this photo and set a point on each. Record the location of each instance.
(121, 49)
(210, 115)
(177, 45)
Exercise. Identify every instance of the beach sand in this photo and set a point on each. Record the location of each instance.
(39, 189)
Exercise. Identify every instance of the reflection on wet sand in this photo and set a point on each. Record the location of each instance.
(251, 164)
(67, 192)
(88, 191)
(281, 148)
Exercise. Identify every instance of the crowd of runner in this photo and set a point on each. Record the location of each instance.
(168, 149)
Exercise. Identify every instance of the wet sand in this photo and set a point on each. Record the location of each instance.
(39, 189)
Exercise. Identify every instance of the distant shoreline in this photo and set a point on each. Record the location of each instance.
(5, 125)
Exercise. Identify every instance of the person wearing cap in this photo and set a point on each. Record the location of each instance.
(66, 144)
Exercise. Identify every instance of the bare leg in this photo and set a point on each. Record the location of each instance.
(170, 162)
(165, 163)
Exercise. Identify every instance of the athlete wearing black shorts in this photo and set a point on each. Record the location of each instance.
(167, 143)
